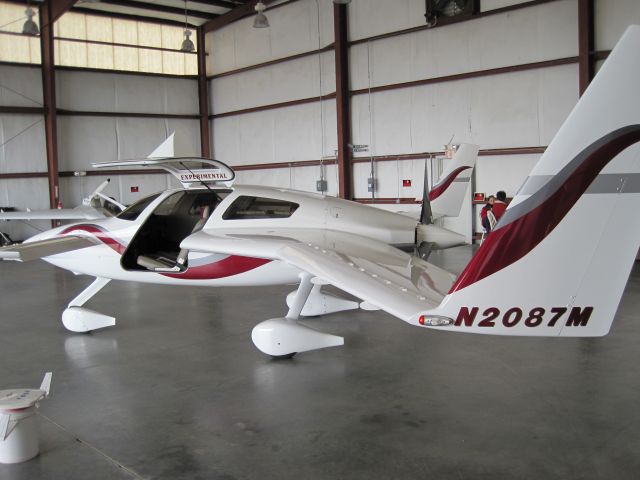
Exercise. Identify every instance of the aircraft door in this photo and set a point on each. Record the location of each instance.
(156, 245)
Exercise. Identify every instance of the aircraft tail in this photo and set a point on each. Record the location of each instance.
(558, 260)
(447, 196)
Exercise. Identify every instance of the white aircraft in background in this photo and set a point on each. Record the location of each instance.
(96, 206)
(93, 207)
(448, 195)
(555, 265)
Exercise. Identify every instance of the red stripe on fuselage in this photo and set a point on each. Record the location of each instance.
(227, 267)
(509, 243)
(231, 265)
(100, 234)
(440, 188)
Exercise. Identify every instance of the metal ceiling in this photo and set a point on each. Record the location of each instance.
(173, 11)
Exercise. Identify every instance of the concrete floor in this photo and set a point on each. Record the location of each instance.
(177, 390)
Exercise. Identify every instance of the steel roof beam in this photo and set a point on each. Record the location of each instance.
(133, 18)
(159, 8)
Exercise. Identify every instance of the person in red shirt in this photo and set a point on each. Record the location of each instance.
(500, 205)
(483, 213)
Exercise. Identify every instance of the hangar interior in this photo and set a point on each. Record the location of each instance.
(505, 79)
(334, 91)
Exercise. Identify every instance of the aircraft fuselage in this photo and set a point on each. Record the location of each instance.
(155, 229)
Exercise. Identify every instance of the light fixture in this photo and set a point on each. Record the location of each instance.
(342, 2)
(260, 20)
(30, 27)
(187, 44)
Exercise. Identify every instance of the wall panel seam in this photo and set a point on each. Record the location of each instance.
(64, 68)
(276, 61)
(79, 113)
(293, 164)
(377, 37)
(414, 83)
(272, 106)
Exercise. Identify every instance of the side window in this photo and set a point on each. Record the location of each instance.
(133, 210)
(245, 208)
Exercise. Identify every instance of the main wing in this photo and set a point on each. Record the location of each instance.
(43, 248)
(81, 213)
(386, 277)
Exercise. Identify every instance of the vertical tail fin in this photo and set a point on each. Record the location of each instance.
(447, 196)
(558, 261)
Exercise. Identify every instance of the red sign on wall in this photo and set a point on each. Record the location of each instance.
(406, 183)
(134, 189)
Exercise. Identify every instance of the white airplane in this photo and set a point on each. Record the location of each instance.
(555, 265)
(446, 198)
(96, 206)
(143, 242)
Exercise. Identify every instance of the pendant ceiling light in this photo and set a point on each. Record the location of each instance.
(260, 20)
(30, 27)
(187, 44)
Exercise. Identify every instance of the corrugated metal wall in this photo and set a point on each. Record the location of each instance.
(507, 110)
(84, 138)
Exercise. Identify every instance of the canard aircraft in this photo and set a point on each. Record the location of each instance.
(555, 265)
(143, 242)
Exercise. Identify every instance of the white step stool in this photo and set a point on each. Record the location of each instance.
(18, 428)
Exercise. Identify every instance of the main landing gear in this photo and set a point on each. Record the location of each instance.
(278, 337)
(284, 337)
(79, 319)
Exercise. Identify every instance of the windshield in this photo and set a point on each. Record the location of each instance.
(135, 209)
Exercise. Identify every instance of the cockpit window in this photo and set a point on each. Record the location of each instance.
(135, 209)
(170, 204)
(245, 207)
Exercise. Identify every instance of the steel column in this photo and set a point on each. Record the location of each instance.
(586, 45)
(203, 95)
(343, 100)
(49, 98)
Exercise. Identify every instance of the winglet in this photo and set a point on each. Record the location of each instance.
(45, 386)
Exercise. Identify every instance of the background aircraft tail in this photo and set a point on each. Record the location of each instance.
(447, 196)
(558, 261)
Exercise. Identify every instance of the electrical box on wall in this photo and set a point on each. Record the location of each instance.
(321, 185)
(358, 148)
(371, 185)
